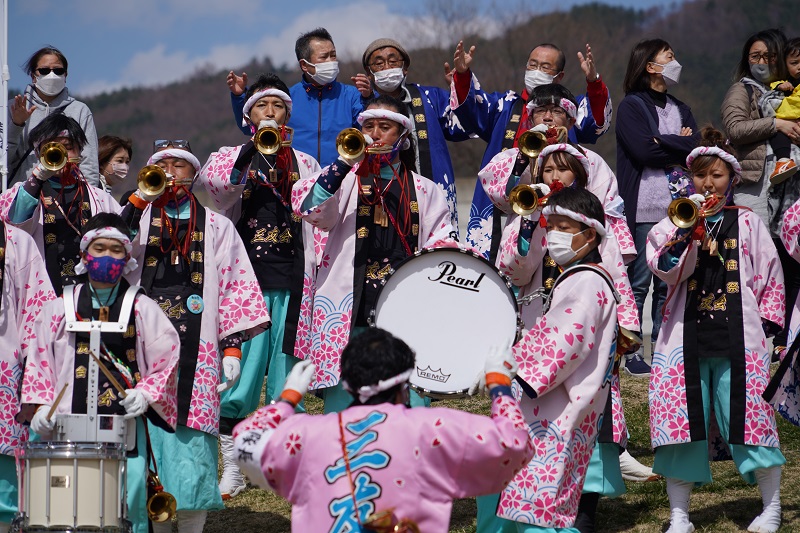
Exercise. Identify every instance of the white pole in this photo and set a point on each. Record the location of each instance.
(4, 97)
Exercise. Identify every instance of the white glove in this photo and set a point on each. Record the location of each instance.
(541, 128)
(40, 424)
(268, 124)
(500, 359)
(300, 377)
(41, 173)
(698, 199)
(231, 368)
(135, 403)
(541, 189)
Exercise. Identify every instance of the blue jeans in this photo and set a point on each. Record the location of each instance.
(640, 276)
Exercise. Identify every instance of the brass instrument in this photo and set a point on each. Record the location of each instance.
(152, 180)
(267, 140)
(531, 143)
(161, 505)
(627, 341)
(524, 199)
(53, 156)
(683, 212)
(350, 143)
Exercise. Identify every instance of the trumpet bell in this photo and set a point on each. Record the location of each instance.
(350, 143)
(531, 143)
(53, 156)
(268, 140)
(683, 212)
(152, 180)
(161, 505)
(523, 199)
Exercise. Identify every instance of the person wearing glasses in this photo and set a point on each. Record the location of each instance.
(191, 261)
(322, 106)
(253, 190)
(500, 118)
(47, 94)
(386, 65)
(749, 132)
(53, 205)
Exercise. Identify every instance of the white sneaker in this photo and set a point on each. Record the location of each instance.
(232, 482)
(633, 470)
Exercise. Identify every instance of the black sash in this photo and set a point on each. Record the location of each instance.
(728, 247)
(61, 241)
(417, 110)
(172, 287)
(2, 258)
(118, 346)
(365, 233)
(509, 137)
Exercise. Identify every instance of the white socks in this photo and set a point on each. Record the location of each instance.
(679, 492)
(232, 481)
(191, 521)
(769, 483)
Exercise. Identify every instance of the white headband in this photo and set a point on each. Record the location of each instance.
(564, 104)
(387, 114)
(175, 152)
(718, 152)
(563, 147)
(258, 95)
(368, 391)
(577, 217)
(106, 233)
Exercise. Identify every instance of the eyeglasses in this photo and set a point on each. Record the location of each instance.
(160, 144)
(44, 71)
(554, 111)
(767, 57)
(545, 67)
(380, 64)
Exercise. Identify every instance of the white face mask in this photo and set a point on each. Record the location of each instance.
(390, 79)
(671, 72)
(325, 72)
(52, 84)
(120, 170)
(559, 246)
(535, 78)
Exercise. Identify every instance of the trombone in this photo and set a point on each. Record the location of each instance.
(152, 180)
(53, 156)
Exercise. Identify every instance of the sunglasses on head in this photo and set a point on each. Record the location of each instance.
(160, 144)
(44, 71)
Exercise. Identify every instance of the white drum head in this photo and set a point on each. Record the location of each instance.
(450, 306)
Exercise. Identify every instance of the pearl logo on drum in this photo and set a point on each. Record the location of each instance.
(447, 276)
(434, 375)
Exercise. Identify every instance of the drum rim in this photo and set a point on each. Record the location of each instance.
(73, 450)
(461, 393)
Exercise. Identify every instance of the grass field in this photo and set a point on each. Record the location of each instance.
(728, 504)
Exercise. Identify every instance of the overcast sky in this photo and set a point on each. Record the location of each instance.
(122, 43)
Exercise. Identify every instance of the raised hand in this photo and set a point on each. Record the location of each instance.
(587, 64)
(362, 83)
(463, 59)
(20, 112)
(236, 84)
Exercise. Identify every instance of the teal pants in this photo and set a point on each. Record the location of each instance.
(8, 488)
(603, 475)
(489, 522)
(689, 461)
(263, 354)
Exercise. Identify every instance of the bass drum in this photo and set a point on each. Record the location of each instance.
(450, 306)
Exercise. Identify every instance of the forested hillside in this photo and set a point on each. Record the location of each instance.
(707, 36)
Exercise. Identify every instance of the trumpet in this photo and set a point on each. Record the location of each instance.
(684, 212)
(53, 156)
(267, 140)
(531, 143)
(152, 180)
(524, 199)
(161, 505)
(350, 143)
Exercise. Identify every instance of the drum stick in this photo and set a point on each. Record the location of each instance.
(109, 375)
(55, 403)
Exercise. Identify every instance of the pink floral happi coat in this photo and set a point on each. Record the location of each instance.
(414, 461)
(567, 359)
(333, 300)
(227, 197)
(233, 302)
(51, 363)
(26, 289)
(601, 182)
(762, 291)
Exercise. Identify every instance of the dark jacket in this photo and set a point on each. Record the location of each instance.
(638, 146)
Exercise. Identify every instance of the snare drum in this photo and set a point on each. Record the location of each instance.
(450, 306)
(69, 486)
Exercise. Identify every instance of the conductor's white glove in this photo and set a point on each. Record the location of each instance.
(41, 173)
(134, 402)
(500, 360)
(40, 424)
(300, 377)
(231, 368)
